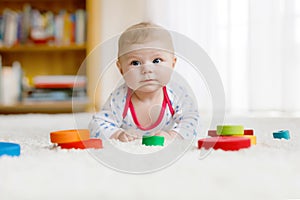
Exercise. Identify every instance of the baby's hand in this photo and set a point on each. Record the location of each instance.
(124, 136)
(167, 135)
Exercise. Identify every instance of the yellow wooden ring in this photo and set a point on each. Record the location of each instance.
(65, 136)
(252, 138)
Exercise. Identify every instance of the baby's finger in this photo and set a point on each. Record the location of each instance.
(123, 137)
(134, 134)
(159, 134)
(130, 138)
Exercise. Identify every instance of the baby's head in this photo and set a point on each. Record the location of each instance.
(146, 56)
(145, 35)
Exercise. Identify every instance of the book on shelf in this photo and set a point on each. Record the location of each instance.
(11, 84)
(10, 30)
(59, 81)
(35, 26)
(57, 88)
(60, 94)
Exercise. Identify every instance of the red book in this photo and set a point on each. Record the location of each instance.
(48, 82)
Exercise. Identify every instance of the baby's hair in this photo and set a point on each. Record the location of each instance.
(142, 33)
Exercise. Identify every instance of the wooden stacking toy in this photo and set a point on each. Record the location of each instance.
(213, 133)
(9, 149)
(153, 140)
(85, 144)
(228, 130)
(248, 132)
(251, 137)
(228, 137)
(76, 138)
(225, 143)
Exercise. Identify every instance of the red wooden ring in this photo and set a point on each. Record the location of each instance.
(212, 133)
(85, 144)
(248, 132)
(225, 143)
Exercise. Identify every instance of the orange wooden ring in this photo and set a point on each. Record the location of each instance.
(86, 144)
(65, 136)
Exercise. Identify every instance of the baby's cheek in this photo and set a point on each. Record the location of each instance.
(131, 78)
(164, 75)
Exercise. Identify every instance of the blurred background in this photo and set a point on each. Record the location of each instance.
(254, 45)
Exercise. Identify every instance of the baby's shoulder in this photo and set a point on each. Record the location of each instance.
(179, 92)
(120, 91)
(175, 89)
(118, 95)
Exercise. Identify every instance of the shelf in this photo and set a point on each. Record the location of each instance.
(54, 5)
(44, 107)
(48, 57)
(43, 47)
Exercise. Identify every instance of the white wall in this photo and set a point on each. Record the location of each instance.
(116, 16)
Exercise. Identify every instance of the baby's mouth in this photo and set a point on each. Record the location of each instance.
(148, 80)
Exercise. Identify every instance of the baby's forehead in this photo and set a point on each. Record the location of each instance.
(142, 38)
(147, 52)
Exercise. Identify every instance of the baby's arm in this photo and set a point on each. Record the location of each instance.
(107, 123)
(186, 116)
(103, 125)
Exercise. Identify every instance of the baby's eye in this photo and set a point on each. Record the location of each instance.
(135, 63)
(157, 60)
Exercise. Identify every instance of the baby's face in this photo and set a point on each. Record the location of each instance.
(146, 70)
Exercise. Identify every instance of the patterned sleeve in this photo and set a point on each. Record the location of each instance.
(186, 114)
(108, 121)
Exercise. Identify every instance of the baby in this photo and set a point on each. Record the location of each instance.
(146, 104)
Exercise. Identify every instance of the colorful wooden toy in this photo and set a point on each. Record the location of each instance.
(85, 144)
(225, 143)
(283, 134)
(248, 132)
(251, 137)
(9, 149)
(212, 133)
(226, 130)
(66, 136)
(153, 140)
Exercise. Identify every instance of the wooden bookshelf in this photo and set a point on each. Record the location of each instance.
(45, 59)
(53, 5)
(44, 107)
(42, 47)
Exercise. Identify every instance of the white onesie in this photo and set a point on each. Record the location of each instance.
(178, 113)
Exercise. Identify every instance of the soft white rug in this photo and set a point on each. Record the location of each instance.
(269, 170)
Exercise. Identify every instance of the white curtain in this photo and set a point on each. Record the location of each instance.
(254, 44)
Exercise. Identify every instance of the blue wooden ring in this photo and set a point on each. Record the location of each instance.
(283, 134)
(9, 149)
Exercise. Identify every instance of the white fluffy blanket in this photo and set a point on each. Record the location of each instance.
(269, 170)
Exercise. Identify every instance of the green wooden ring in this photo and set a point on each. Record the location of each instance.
(230, 130)
(153, 140)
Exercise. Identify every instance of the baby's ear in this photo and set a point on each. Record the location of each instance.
(174, 62)
(119, 66)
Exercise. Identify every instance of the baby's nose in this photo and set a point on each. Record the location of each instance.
(147, 69)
